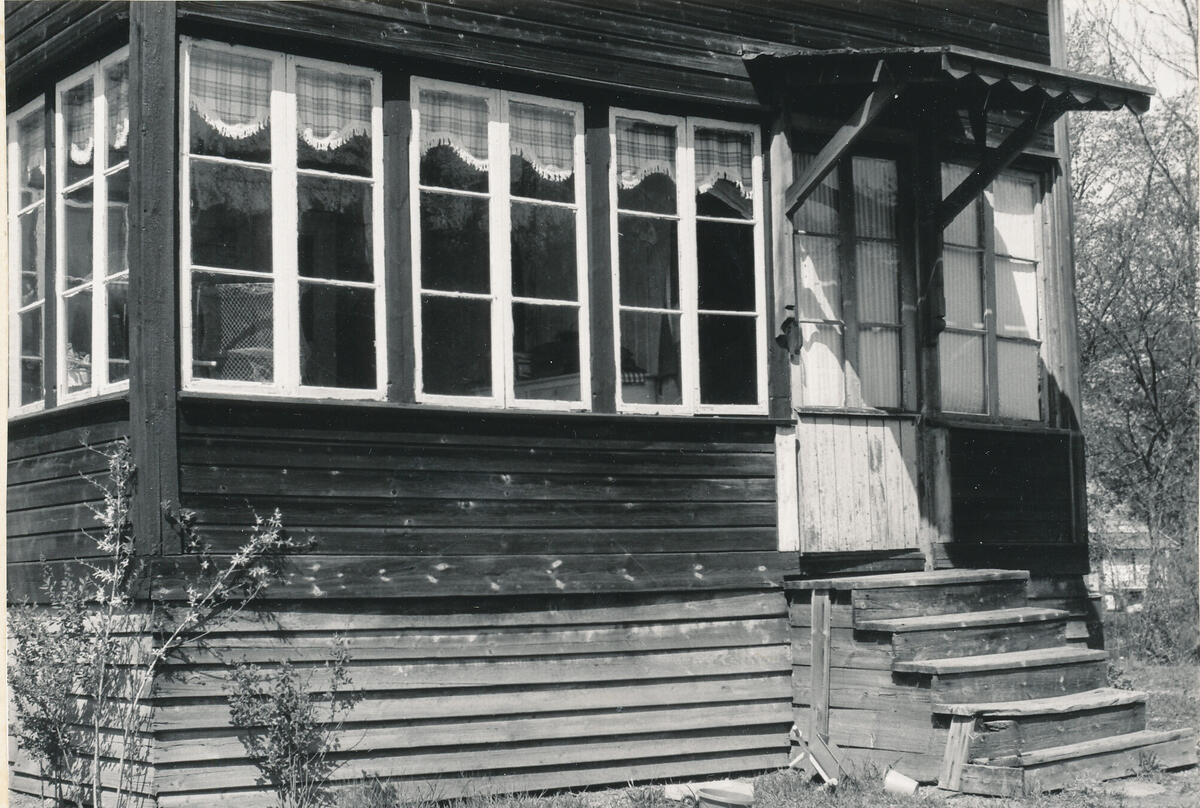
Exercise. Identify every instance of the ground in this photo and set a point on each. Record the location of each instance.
(1174, 702)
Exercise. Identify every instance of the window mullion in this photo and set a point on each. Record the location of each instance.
(991, 363)
(848, 259)
(284, 225)
(99, 233)
(499, 248)
(685, 193)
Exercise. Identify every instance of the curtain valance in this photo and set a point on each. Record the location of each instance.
(722, 155)
(331, 108)
(79, 119)
(458, 121)
(545, 137)
(232, 93)
(643, 149)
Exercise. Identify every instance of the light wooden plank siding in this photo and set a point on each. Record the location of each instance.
(857, 480)
(527, 693)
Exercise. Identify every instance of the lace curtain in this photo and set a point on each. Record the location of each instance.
(331, 108)
(724, 156)
(232, 93)
(32, 145)
(643, 149)
(116, 95)
(78, 116)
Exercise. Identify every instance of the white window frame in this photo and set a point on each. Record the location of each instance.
(15, 308)
(285, 228)
(500, 297)
(98, 285)
(991, 332)
(686, 216)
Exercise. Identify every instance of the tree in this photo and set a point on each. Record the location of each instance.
(1135, 201)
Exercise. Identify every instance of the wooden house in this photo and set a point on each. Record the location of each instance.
(609, 353)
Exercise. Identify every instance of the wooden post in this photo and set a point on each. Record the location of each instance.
(818, 726)
(957, 746)
(604, 360)
(401, 348)
(50, 265)
(153, 320)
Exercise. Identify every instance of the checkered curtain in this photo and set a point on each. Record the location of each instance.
(458, 121)
(232, 93)
(79, 117)
(643, 149)
(116, 94)
(331, 108)
(545, 137)
(724, 156)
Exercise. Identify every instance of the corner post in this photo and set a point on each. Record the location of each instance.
(153, 329)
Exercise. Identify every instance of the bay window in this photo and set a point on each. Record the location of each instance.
(989, 352)
(282, 249)
(91, 229)
(688, 264)
(847, 254)
(26, 256)
(499, 248)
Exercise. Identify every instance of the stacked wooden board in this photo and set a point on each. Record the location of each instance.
(952, 676)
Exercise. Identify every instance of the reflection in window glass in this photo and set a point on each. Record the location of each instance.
(650, 358)
(649, 262)
(728, 369)
(454, 243)
(456, 346)
(337, 336)
(543, 252)
(30, 353)
(545, 349)
(118, 222)
(78, 311)
(32, 254)
(231, 217)
(725, 266)
(77, 240)
(335, 229)
(232, 327)
(118, 330)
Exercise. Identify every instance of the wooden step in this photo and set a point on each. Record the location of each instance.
(1090, 761)
(1089, 700)
(982, 663)
(905, 579)
(945, 622)
(994, 631)
(950, 597)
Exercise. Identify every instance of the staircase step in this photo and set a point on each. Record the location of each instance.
(1116, 743)
(1089, 700)
(945, 622)
(948, 597)
(1038, 658)
(904, 579)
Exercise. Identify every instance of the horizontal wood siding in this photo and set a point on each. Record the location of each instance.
(45, 41)
(690, 50)
(388, 498)
(857, 483)
(503, 694)
(1012, 487)
(55, 468)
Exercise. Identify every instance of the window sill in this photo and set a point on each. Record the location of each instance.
(497, 412)
(857, 412)
(966, 421)
(70, 407)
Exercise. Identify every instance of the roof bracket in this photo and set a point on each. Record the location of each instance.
(885, 90)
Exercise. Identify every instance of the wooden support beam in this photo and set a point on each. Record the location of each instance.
(818, 728)
(997, 159)
(957, 746)
(153, 319)
(878, 99)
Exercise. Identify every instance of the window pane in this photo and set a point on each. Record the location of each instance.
(543, 252)
(31, 141)
(116, 97)
(962, 369)
(650, 358)
(725, 265)
(875, 197)
(333, 121)
(79, 341)
(964, 290)
(964, 230)
(545, 350)
(335, 229)
(77, 235)
(230, 105)
(454, 140)
(879, 366)
(454, 243)
(821, 365)
(1017, 363)
(232, 321)
(648, 262)
(878, 282)
(231, 217)
(1016, 298)
(79, 128)
(820, 296)
(337, 336)
(33, 254)
(645, 166)
(724, 174)
(819, 213)
(1015, 202)
(456, 346)
(118, 330)
(542, 152)
(30, 352)
(728, 359)
(118, 222)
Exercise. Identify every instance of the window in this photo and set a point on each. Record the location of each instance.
(91, 229)
(687, 285)
(500, 248)
(282, 251)
(26, 256)
(990, 348)
(847, 254)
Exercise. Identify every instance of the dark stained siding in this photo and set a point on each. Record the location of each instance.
(54, 463)
(691, 50)
(405, 500)
(48, 40)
